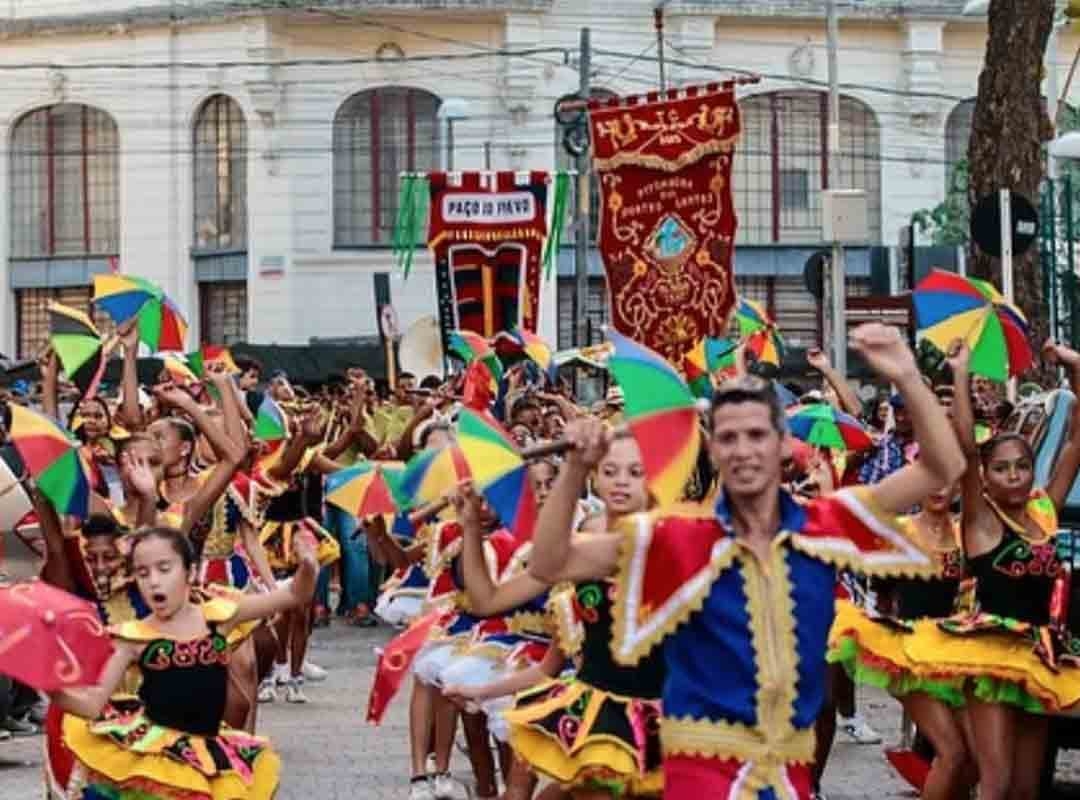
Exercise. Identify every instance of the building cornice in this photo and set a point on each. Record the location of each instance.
(886, 10)
(217, 11)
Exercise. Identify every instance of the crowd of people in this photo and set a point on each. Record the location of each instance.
(621, 645)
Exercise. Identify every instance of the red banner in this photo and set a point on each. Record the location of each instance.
(667, 228)
(487, 233)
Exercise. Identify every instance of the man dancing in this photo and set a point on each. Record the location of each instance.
(740, 594)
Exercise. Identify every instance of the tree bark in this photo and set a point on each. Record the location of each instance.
(1009, 127)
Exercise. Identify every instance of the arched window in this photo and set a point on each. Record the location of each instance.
(378, 134)
(782, 165)
(220, 166)
(957, 135)
(65, 207)
(65, 183)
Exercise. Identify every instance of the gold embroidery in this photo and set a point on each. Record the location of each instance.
(568, 627)
(904, 558)
(708, 739)
(637, 629)
(534, 623)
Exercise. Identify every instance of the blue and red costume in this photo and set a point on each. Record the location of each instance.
(744, 639)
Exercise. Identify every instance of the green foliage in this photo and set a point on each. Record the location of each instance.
(949, 221)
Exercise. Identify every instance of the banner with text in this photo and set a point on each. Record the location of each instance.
(487, 232)
(667, 228)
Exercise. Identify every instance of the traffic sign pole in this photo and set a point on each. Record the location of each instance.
(1007, 287)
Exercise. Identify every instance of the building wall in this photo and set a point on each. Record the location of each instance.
(299, 285)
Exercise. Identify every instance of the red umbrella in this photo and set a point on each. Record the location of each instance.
(50, 639)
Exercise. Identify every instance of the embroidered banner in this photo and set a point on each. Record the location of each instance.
(667, 228)
(487, 234)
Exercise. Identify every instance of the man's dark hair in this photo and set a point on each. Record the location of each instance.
(431, 382)
(247, 363)
(101, 525)
(750, 389)
(406, 375)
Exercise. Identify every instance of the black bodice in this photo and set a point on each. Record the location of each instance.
(646, 680)
(1015, 579)
(184, 683)
(303, 498)
(913, 599)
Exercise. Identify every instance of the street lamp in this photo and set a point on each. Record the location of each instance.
(452, 110)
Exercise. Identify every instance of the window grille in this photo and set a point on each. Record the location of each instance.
(378, 134)
(782, 165)
(224, 313)
(220, 168)
(64, 166)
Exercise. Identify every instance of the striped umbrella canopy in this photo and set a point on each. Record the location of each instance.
(53, 459)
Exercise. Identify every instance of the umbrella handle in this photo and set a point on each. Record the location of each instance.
(424, 513)
(539, 451)
(558, 447)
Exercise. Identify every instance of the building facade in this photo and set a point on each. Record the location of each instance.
(245, 155)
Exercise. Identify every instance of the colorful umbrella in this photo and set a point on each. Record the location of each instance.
(762, 337)
(270, 423)
(49, 639)
(179, 372)
(433, 472)
(470, 347)
(161, 325)
(211, 354)
(366, 489)
(822, 425)
(520, 342)
(77, 344)
(950, 307)
(52, 459)
(661, 414)
(499, 471)
(710, 356)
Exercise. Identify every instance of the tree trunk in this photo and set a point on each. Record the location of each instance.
(1009, 127)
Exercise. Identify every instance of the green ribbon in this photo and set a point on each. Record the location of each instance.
(558, 220)
(413, 200)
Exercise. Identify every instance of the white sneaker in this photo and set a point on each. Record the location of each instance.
(447, 788)
(421, 790)
(294, 692)
(281, 675)
(858, 730)
(267, 693)
(314, 673)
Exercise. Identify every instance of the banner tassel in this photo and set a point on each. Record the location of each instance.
(558, 220)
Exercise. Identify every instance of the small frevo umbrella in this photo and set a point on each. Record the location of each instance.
(52, 459)
(50, 639)
(124, 297)
(77, 344)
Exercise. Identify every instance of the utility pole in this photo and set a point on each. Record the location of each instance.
(581, 228)
(838, 328)
(658, 21)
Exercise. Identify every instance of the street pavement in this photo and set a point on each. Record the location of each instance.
(329, 753)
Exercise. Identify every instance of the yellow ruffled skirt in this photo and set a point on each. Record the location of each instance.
(999, 661)
(874, 652)
(277, 540)
(586, 738)
(124, 754)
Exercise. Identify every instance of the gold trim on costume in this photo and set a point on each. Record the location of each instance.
(568, 627)
(636, 630)
(708, 739)
(906, 557)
